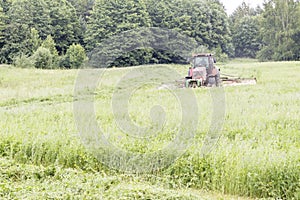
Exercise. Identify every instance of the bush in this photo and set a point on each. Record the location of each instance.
(43, 58)
(23, 61)
(220, 55)
(49, 43)
(74, 58)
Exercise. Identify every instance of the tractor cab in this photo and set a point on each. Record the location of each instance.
(203, 60)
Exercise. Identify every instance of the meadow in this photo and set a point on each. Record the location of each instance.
(257, 155)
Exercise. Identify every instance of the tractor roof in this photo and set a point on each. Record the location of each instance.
(203, 55)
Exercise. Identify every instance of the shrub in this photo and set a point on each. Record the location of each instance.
(23, 61)
(220, 55)
(43, 58)
(49, 43)
(74, 58)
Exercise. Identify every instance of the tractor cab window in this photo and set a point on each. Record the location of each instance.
(201, 62)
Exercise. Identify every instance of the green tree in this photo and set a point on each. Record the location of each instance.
(4, 21)
(83, 8)
(23, 61)
(245, 37)
(48, 17)
(161, 12)
(296, 34)
(244, 10)
(49, 43)
(205, 21)
(34, 40)
(15, 42)
(2, 26)
(219, 32)
(244, 23)
(65, 25)
(75, 57)
(18, 32)
(279, 24)
(43, 58)
(110, 17)
(32, 13)
(5, 5)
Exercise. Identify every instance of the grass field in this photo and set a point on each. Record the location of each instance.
(258, 155)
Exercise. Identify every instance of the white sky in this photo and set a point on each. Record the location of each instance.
(231, 5)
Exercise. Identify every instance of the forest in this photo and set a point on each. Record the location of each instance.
(62, 33)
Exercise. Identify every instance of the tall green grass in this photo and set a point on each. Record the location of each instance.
(257, 156)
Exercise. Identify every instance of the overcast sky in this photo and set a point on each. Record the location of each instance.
(231, 5)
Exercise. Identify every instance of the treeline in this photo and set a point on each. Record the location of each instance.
(60, 33)
(271, 33)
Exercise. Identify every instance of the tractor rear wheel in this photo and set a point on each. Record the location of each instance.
(195, 84)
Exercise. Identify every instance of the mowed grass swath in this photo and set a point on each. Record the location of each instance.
(257, 156)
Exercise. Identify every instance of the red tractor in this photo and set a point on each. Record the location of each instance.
(203, 72)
